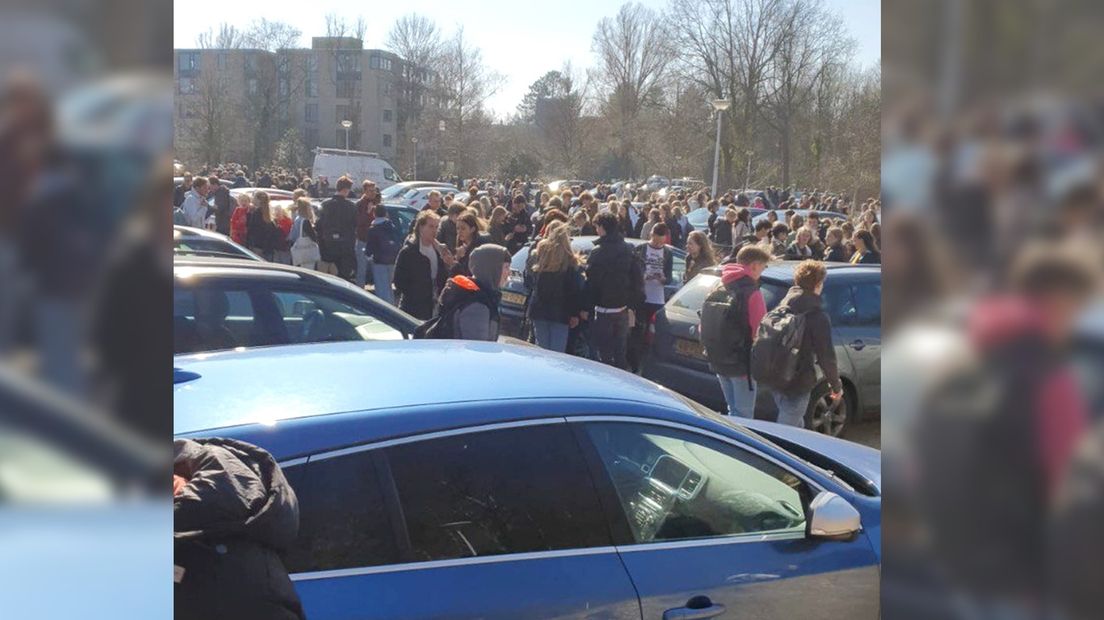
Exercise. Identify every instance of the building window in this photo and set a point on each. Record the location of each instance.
(311, 137)
(312, 87)
(251, 62)
(385, 64)
(312, 64)
(343, 113)
(222, 61)
(387, 139)
(374, 62)
(348, 63)
(253, 86)
(283, 64)
(285, 87)
(387, 88)
(346, 89)
(387, 116)
(189, 61)
(186, 86)
(312, 113)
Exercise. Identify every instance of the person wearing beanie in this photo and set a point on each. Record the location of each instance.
(475, 298)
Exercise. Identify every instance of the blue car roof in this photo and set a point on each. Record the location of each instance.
(264, 385)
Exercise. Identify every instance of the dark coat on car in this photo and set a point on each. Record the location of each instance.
(232, 522)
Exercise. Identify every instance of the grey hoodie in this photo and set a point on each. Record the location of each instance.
(474, 322)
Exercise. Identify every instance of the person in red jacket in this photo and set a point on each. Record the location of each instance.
(240, 217)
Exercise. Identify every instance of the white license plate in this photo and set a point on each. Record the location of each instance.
(515, 299)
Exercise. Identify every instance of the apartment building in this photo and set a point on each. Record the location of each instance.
(233, 104)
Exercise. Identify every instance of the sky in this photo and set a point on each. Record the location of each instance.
(520, 40)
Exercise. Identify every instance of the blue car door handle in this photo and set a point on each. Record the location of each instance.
(857, 345)
(687, 613)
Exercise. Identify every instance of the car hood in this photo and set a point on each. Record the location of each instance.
(861, 460)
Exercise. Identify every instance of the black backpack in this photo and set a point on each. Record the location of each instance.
(443, 325)
(777, 347)
(725, 334)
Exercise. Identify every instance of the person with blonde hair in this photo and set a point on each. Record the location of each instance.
(556, 300)
(302, 227)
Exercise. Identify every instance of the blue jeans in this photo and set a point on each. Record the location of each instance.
(362, 265)
(791, 409)
(740, 399)
(550, 335)
(382, 275)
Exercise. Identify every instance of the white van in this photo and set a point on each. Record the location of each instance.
(332, 164)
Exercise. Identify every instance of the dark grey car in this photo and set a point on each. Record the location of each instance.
(852, 298)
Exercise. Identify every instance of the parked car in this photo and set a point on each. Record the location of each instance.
(555, 187)
(418, 197)
(398, 189)
(188, 241)
(526, 484)
(223, 304)
(852, 298)
(514, 295)
(699, 218)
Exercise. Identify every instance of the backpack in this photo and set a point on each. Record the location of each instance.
(443, 325)
(777, 347)
(725, 334)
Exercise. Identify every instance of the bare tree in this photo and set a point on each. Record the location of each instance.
(809, 44)
(225, 36)
(559, 100)
(632, 57)
(417, 40)
(464, 86)
(271, 36)
(207, 118)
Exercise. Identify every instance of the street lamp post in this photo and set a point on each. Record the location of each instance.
(415, 141)
(720, 105)
(347, 124)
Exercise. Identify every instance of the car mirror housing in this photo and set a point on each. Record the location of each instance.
(833, 518)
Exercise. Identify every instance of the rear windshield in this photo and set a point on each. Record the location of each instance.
(692, 296)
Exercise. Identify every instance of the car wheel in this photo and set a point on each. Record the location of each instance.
(825, 416)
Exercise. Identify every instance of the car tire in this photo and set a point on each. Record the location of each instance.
(822, 417)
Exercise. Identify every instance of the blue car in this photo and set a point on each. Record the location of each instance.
(528, 484)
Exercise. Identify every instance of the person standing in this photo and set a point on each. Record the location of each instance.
(421, 268)
(468, 237)
(382, 246)
(615, 283)
(180, 191)
(699, 255)
(730, 317)
(195, 203)
(497, 226)
(446, 232)
(800, 248)
(366, 213)
(835, 252)
(263, 235)
(556, 284)
(804, 298)
(223, 205)
(302, 227)
(658, 264)
(471, 302)
(337, 225)
(518, 225)
(866, 251)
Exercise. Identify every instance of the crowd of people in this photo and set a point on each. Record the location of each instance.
(449, 267)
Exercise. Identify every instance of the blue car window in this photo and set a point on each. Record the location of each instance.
(343, 519)
(837, 301)
(675, 485)
(496, 492)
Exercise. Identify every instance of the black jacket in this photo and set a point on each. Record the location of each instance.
(337, 227)
(668, 261)
(412, 281)
(870, 257)
(446, 233)
(461, 266)
(231, 523)
(815, 344)
(381, 242)
(614, 276)
(722, 233)
(556, 295)
(224, 206)
(519, 239)
(837, 254)
(178, 195)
